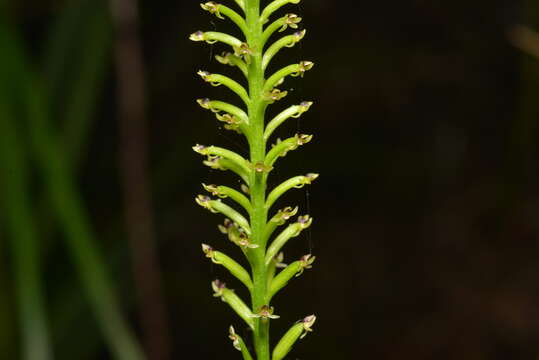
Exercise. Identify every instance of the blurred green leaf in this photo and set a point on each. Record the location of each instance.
(20, 221)
(75, 66)
(67, 207)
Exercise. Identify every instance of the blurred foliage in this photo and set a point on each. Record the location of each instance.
(426, 215)
(75, 101)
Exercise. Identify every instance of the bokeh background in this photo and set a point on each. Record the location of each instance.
(426, 212)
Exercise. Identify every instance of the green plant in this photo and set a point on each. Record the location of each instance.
(252, 233)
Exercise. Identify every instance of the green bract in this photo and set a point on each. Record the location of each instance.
(249, 225)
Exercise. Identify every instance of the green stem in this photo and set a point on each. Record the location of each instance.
(258, 184)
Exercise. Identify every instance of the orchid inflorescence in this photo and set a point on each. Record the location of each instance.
(250, 225)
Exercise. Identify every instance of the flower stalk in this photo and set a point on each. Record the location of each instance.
(249, 226)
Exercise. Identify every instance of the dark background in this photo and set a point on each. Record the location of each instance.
(426, 211)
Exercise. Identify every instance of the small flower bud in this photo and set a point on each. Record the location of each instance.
(278, 260)
(204, 103)
(197, 36)
(305, 221)
(203, 74)
(265, 312)
(201, 149)
(304, 66)
(311, 177)
(214, 162)
(226, 227)
(260, 168)
(213, 8)
(231, 121)
(228, 118)
(236, 234)
(245, 189)
(207, 104)
(291, 20)
(296, 37)
(245, 242)
(308, 323)
(303, 139)
(207, 77)
(302, 108)
(306, 262)
(235, 338)
(307, 180)
(244, 51)
(209, 252)
(284, 214)
(218, 288)
(226, 58)
(274, 95)
(212, 189)
(205, 202)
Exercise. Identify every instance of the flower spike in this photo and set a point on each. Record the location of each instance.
(246, 222)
